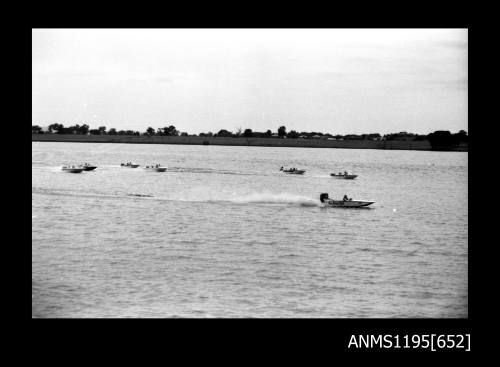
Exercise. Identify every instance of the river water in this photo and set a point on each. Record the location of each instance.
(224, 233)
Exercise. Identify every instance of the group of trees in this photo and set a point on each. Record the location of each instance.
(163, 131)
(60, 129)
(101, 130)
(438, 139)
(282, 133)
(74, 129)
(444, 139)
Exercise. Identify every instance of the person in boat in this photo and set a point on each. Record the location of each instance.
(345, 173)
(345, 198)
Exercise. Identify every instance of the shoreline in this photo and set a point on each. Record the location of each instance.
(230, 141)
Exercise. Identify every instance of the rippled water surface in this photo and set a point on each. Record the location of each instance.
(223, 233)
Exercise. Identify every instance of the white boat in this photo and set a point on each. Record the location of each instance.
(155, 168)
(130, 165)
(344, 203)
(72, 169)
(344, 176)
(293, 171)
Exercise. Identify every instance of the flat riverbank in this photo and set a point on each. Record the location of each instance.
(266, 142)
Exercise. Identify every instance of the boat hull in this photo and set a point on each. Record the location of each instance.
(297, 172)
(157, 169)
(89, 168)
(130, 165)
(347, 203)
(73, 170)
(345, 177)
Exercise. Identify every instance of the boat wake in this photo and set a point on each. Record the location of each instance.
(265, 198)
(88, 194)
(268, 199)
(209, 171)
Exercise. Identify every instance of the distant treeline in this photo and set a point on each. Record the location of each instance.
(437, 139)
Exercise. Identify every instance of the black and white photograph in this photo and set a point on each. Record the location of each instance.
(270, 173)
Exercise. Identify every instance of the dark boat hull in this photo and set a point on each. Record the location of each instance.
(345, 177)
(73, 170)
(156, 169)
(297, 172)
(347, 203)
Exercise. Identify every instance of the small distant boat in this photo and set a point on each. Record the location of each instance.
(155, 168)
(293, 171)
(344, 203)
(130, 165)
(88, 167)
(72, 169)
(344, 175)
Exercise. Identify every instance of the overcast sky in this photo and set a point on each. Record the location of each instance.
(328, 80)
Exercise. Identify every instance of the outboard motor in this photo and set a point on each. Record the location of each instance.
(323, 197)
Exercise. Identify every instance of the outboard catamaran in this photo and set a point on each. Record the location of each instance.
(344, 175)
(88, 167)
(130, 165)
(155, 168)
(294, 171)
(344, 203)
(72, 169)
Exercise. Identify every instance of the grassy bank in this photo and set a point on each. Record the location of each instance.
(269, 142)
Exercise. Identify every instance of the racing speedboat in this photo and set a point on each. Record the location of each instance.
(88, 167)
(294, 171)
(155, 168)
(344, 203)
(344, 176)
(130, 165)
(72, 169)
